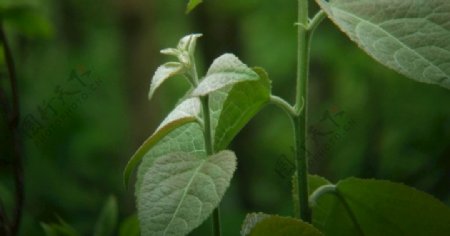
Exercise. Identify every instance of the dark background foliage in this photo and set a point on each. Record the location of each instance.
(366, 120)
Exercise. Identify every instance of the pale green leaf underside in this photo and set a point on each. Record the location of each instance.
(409, 36)
(163, 73)
(192, 4)
(226, 70)
(381, 208)
(271, 225)
(244, 100)
(181, 190)
(185, 112)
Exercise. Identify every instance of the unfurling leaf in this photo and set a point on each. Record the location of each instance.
(409, 36)
(180, 190)
(163, 73)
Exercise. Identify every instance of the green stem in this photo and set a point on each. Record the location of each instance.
(301, 160)
(285, 106)
(330, 188)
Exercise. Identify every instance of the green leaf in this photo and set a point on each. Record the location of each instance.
(381, 208)
(181, 190)
(185, 112)
(226, 70)
(251, 220)
(269, 225)
(107, 221)
(242, 103)
(314, 182)
(130, 226)
(409, 36)
(163, 73)
(59, 229)
(27, 19)
(192, 4)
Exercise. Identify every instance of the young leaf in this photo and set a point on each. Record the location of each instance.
(381, 208)
(163, 73)
(192, 4)
(185, 112)
(261, 224)
(226, 70)
(409, 36)
(106, 223)
(243, 101)
(181, 190)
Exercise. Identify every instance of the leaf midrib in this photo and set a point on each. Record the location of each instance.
(185, 193)
(383, 30)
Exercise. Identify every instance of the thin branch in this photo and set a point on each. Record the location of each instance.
(14, 129)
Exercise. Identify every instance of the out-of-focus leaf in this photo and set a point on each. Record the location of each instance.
(181, 190)
(27, 20)
(59, 229)
(270, 225)
(409, 36)
(381, 208)
(107, 221)
(192, 4)
(130, 226)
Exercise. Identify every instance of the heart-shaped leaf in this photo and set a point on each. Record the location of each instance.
(409, 36)
(181, 190)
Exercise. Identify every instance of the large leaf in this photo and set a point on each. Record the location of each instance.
(185, 112)
(243, 101)
(409, 36)
(107, 221)
(226, 70)
(260, 224)
(163, 73)
(381, 208)
(180, 190)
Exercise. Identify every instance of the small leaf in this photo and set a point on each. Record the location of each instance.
(107, 221)
(188, 43)
(243, 101)
(184, 113)
(192, 4)
(163, 73)
(381, 208)
(409, 36)
(270, 225)
(224, 71)
(130, 226)
(181, 190)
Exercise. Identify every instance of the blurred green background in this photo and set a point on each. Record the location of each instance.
(386, 126)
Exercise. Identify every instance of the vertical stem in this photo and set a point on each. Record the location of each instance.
(14, 129)
(210, 151)
(301, 159)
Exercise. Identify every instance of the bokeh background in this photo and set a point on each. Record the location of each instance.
(366, 120)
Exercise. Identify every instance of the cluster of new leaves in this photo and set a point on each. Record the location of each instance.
(178, 183)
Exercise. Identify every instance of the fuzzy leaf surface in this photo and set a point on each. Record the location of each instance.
(409, 36)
